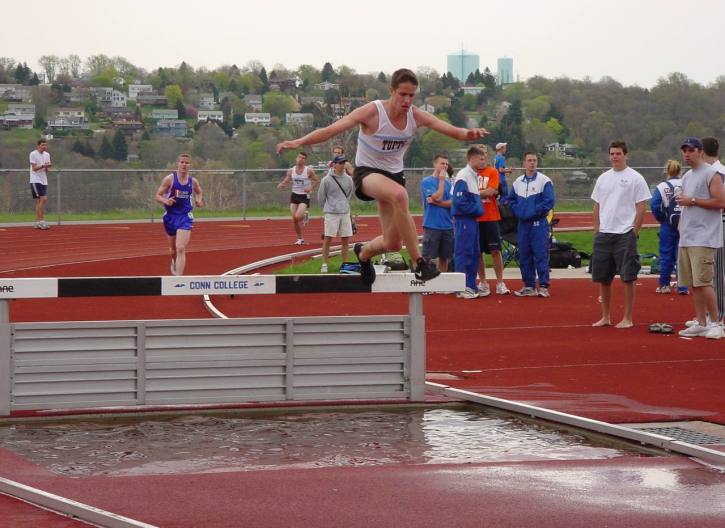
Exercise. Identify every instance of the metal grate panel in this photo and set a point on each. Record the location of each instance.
(685, 435)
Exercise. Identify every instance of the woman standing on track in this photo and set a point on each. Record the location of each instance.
(386, 130)
(175, 193)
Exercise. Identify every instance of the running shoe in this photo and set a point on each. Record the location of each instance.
(323, 268)
(526, 291)
(306, 219)
(501, 289)
(468, 293)
(367, 270)
(484, 290)
(664, 289)
(425, 270)
(173, 266)
(544, 292)
(696, 330)
(300, 242)
(715, 331)
(42, 225)
(694, 321)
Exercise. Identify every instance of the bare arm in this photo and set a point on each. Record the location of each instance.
(163, 189)
(429, 120)
(285, 180)
(595, 217)
(717, 191)
(639, 216)
(197, 193)
(314, 180)
(348, 168)
(354, 118)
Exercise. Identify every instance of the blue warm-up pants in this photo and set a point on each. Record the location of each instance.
(533, 242)
(669, 242)
(467, 253)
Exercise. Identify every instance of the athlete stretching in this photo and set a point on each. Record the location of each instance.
(175, 193)
(386, 130)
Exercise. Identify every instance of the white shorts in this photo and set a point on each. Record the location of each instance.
(338, 225)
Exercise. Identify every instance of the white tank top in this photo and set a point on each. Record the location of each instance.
(385, 148)
(300, 181)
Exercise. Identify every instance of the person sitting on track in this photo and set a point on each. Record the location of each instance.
(175, 193)
(387, 129)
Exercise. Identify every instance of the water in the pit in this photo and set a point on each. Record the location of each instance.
(203, 443)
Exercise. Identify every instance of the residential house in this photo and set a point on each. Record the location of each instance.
(77, 95)
(284, 85)
(118, 112)
(67, 118)
(10, 120)
(206, 101)
(151, 99)
(127, 126)
(106, 96)
(15, 92)
(22, 109)
(428, 108)
(312, 99)
(562, 150)
(210, 115)
(171, 128)
(254, 102)
(327, 85)
(165, 113)
(135, 89)
(258, 118)
(301, 119)
(473, 90)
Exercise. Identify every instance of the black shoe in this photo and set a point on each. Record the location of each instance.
(367, 270)
(426, 270)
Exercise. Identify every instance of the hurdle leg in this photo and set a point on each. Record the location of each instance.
(417, 346)
(5, 380)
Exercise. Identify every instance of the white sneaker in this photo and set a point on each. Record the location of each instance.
(696, 330)
(323, 268)
(300, 242)
(468, 293)
(693, 322)
(42, 225)
(526, 291)
(663, 289)
(484, 290)
(544, 292)
(715, 331)
(173, 266)
(501, 289)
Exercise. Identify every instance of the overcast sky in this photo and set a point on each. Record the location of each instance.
(633, 41)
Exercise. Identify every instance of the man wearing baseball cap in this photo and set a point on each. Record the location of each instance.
(702, 200)
(500, 164)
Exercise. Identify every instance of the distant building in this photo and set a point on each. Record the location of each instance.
(206, 101)
(213, 115)
(77, 95)
(302, 119)
(15, 92)
(283, 85)
(10, 120)
(312, 99)
(474, 90)
(428, 108)
(165, 113)
(463, 63)
(253, 101)
(258, 118)
(127, 126)
(171, 128)
(505, 71)
(118, 112)
(327, 85)
(151, 99)
(109, 97)
(135, 89)
(22, 109)
(68, 118)
(562, 150)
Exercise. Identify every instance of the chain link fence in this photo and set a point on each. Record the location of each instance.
(75, 194)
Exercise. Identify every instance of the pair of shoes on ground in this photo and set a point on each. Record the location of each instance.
(484, 290)
(41, 225)
(709, 331)
(300, 242)
(470, 293)
(660, 328)
(663, 289)
(425, 269)
(323, 268)
(528, 291)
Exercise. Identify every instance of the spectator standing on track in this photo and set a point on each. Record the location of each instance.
(499, 164)
(620, 199)
(489, 233)
(701, 233)
(303, 180)
(39, 166)
(334, 196)
(176, 193)
(466, 207)
(711, 148)
(435, 191)
(667, 213)
(531, 198)
(386, 130)
(337, 150)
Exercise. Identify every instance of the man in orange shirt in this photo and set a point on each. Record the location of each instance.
(489, 234)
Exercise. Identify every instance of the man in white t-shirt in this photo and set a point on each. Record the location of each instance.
(620, 199)
(39, 165)
(711, 150)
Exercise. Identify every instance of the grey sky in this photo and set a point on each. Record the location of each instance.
(635, 42)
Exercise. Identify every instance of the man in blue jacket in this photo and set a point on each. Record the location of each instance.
(531, 198)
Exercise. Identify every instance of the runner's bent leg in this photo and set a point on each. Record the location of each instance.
(182, 240)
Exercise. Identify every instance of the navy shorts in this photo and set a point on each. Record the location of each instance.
(174, 222)
(38, 189)
(361, 172)
(489, 236)
(437, 243)
(299, 199)
(615, 254)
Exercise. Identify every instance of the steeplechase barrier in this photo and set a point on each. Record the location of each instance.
(73, 365)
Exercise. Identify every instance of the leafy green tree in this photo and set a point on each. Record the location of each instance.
(332, 96)
(119, 146)
(106, 150)
(88, 150)
(77, 147)
(511, 130)
(173, 95)
(381, 78)
(538, 107)
(181, 109)
(456, 115)
(22, 74)
(34, 80)
(264, 80)
(145, 136)
(328, 73)
(278, 104)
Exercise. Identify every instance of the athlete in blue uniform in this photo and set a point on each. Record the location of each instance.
(175, 193)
